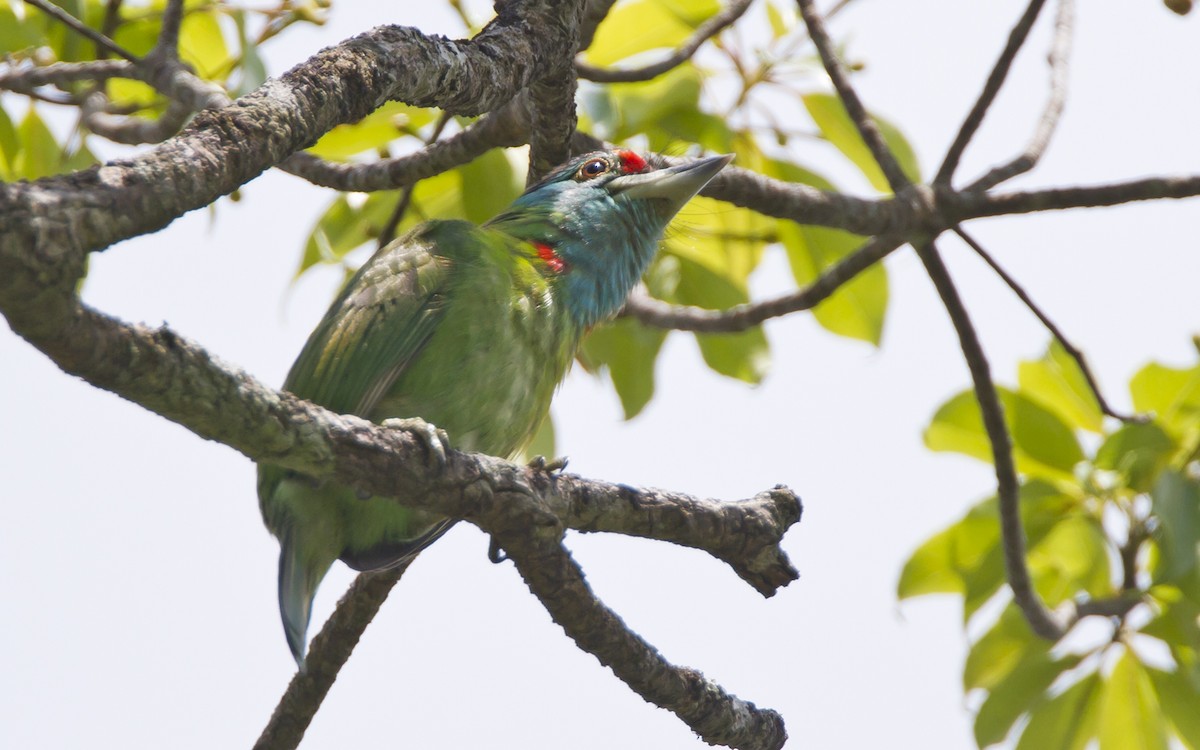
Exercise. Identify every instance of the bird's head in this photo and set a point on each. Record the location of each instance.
(597, 220)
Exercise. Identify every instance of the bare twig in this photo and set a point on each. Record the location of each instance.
(957, 207)
(330, 650)
(27, 77)
(1040, 619)
(722, 20)
(660, 314)
(81, 28)
(508, 126)
(1060, 53)
(854, 107)
(133, 130)
(1016, 39)
(1070, 348)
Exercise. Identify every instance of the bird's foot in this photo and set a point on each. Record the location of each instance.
(548, 466)
(437, 442)
(495, 554)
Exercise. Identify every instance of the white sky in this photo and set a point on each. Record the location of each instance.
(138, 583)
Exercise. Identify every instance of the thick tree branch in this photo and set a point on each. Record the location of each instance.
(725, 18)
(1016, 40)
(1060, 53)
(92, 209)
(552, 104)
(554, 577)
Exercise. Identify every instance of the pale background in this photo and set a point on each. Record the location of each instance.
(138, 585)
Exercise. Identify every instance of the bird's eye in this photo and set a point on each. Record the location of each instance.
(593, 168)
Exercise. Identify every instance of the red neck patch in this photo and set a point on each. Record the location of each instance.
(631, 162)
(546, 253)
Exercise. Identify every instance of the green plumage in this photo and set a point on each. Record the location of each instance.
(471, 329)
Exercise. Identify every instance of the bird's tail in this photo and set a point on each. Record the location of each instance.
(299, 576)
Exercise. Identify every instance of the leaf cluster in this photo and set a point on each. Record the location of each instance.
(1108, 510)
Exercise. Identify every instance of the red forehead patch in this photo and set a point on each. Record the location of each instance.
(631, 162)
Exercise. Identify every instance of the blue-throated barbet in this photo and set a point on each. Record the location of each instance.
(469, 328)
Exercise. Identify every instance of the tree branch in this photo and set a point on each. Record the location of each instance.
(330, 650)
(1060, 53)
(506, 127)
(854, 107)
(659, 314)
(1071, 349)
(722, 20)
(1016, 39)
(83, 29)
(1040, 619)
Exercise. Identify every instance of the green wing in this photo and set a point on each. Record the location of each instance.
(375, 328)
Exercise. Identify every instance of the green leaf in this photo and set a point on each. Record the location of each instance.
(40, 154)
(835, 124)
(998, 651)
(1130, 718)
(1176, 503)
(10, 146)
(202, 44)
(1066, 722)
(19, 34)
(1178, 626)
(644, 25)
(628, 351)
(344, 227)
(1042, 445)
(858, 309)
(744, 355)
(1056, 382)
(966, 557)
(1172, 394)
(1072, 558)
(1179, 698)
(489, 185)
(1017, 693)
(391, 121)
(1138, 452)
(638, 108)
(780, 23)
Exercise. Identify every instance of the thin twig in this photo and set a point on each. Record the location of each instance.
(1060, 53)
(659, 314)
(1016, 39)
(507, 126)
(854, 106)
(705, 31)
(1040, 619)
(331, 648)
(81, 28)
(1055, 331)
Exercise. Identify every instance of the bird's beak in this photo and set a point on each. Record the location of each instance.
(674, 184)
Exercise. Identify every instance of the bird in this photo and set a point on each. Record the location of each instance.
(465, 332)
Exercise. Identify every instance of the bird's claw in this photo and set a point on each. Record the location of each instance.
(495, 554)
(437, 442)
(548, 466)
